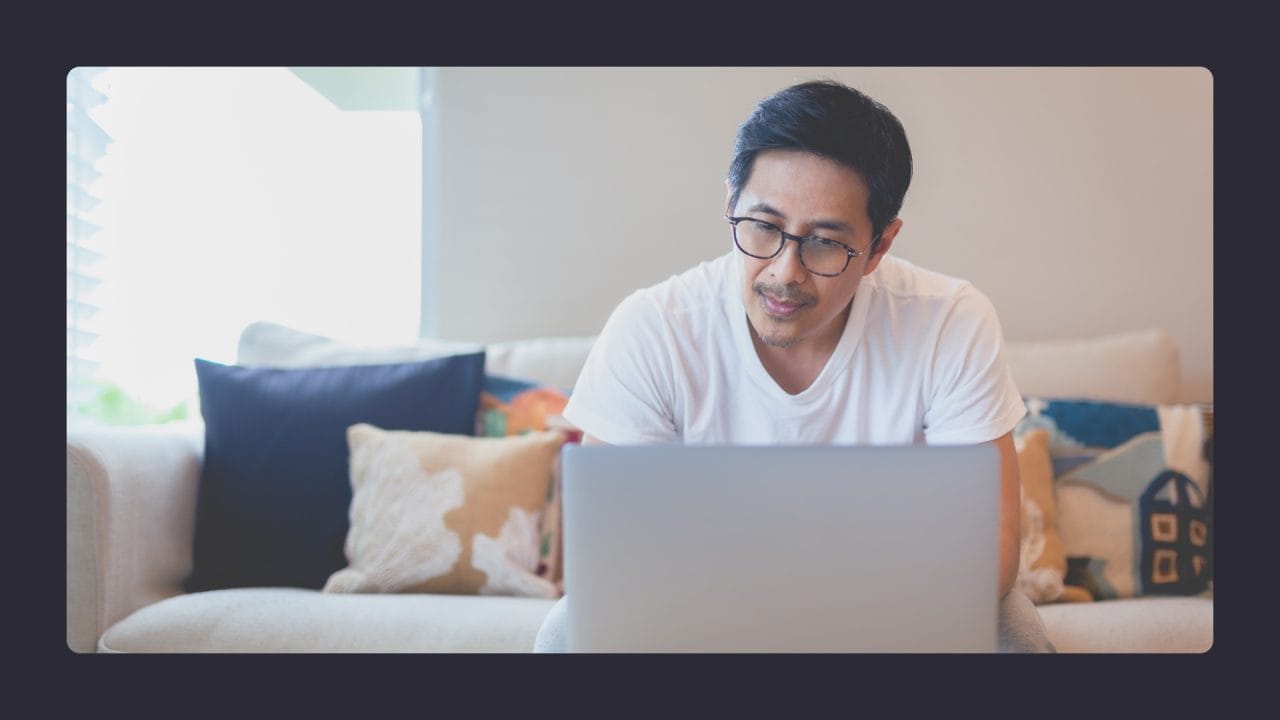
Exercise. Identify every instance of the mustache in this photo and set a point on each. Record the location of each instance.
(785, 293)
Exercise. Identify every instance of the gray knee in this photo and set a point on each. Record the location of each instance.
(1021, 629)
(550, 637)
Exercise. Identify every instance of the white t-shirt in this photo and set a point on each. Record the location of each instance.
(921, 360)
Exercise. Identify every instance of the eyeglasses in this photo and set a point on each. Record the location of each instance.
(764, 241)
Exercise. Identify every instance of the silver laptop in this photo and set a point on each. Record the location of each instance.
(671, 548)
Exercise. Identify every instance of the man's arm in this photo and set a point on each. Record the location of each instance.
(972, 396)
(1010, 512)
(623, 391)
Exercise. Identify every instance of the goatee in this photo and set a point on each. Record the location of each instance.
(778, 342)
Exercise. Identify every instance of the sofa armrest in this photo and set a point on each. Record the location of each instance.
(131, 495)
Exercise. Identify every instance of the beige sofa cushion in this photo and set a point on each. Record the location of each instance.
(271, 345)
(1145, 624)
(297, 620)
(1135, 367)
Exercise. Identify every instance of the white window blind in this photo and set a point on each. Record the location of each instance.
(200, 200)
(86, 143)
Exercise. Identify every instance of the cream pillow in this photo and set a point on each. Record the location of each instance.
(437, 513)
(553, 361)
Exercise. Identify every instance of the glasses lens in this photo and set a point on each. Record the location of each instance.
(822, 256)
(757, 238)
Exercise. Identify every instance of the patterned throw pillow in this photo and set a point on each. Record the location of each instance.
(1133, 492)
(440, 513)
(509, 406)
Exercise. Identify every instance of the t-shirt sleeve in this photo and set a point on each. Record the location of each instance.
(972, 395)
(623, 394)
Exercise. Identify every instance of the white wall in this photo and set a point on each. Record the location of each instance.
(1079, 199)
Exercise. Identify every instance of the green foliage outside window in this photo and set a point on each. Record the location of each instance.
(111, 405)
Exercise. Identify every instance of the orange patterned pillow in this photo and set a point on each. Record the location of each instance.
(1043, 558)
(510, 406)
(439, 513)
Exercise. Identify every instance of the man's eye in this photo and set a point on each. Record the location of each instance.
(826, 244)
(763, 226)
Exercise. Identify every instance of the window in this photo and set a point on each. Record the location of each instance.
(203, 199)
(86, 144)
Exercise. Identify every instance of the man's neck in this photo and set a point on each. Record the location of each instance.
(795, 368)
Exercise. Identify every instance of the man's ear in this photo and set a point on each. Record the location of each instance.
(882, 247)
(728, 199)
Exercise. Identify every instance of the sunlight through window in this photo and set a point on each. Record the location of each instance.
(230, 195)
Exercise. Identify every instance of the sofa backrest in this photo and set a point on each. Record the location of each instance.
(1136, 367)
(554, 361)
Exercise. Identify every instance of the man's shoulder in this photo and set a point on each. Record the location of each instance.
(899, 278)
(908, 295)
(695, 290)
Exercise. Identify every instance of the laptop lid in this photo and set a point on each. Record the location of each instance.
(777, 549)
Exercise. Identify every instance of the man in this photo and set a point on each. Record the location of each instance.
(807, 331)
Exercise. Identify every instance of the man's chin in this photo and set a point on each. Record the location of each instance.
(781, 342)
(771, 332)
(775, 339)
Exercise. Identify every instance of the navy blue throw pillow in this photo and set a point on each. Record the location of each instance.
(272, 508)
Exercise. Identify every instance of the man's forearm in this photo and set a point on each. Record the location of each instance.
(1008, 564)
(1010, 513)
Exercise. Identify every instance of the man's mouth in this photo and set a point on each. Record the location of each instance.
(781, 309)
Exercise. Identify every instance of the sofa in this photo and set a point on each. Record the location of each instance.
(132, 496)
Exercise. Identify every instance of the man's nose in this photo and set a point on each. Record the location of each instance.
(786, 266)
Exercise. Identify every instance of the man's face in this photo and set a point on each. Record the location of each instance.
(805, 194)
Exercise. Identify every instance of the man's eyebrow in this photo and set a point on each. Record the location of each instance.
(820, 224)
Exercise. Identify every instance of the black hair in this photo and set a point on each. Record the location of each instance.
(839, 123)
